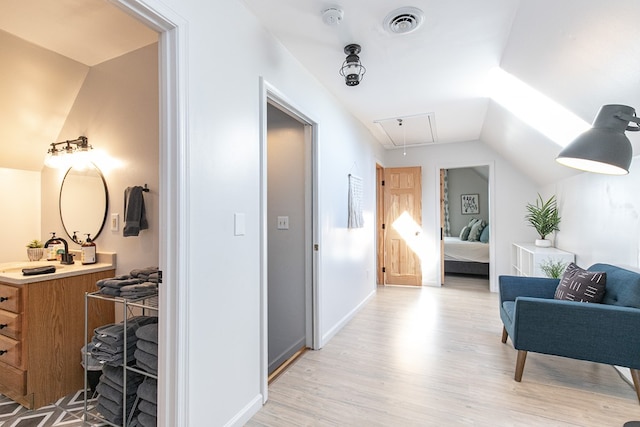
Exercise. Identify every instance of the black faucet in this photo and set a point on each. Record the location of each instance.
(67, 258)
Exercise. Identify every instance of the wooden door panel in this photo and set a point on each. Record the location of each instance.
(403, 219)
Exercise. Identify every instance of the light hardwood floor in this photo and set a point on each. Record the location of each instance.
(433, 357)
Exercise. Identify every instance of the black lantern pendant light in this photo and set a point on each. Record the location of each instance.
(604, 148)
(352, 70)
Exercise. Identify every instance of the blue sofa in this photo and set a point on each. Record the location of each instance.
(608, 332)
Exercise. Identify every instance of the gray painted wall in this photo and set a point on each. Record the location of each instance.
(467, 181)
(286, 261)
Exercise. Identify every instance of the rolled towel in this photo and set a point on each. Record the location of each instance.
(111, 377)
(146, 420)
(148, 407)
(149, 369)
(149, 361)
(114, 333)
(144, 272)
(109, 392)
(148, 332)
(101, 282)
(114, 417)
(116, 374)
(116, 407)
(103, 347)
(148, 390)
(147, 347)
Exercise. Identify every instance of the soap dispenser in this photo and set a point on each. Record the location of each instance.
(88, 251)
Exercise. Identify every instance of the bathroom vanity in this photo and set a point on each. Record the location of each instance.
(42, 328)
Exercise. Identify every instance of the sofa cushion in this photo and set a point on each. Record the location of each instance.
(578, 284)
(623, 286)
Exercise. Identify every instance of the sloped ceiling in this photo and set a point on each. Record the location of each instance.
(580, 53)
(48, 47)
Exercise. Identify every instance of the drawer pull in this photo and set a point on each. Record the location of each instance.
(3, 352)
(3, 325)
(3, 299)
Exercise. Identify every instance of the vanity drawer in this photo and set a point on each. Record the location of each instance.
(10, 324)
(13, 379)
(10, 298)
(11, 351)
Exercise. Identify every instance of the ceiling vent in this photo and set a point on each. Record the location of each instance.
(403, 20)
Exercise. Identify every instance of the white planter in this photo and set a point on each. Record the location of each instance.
(543, 243)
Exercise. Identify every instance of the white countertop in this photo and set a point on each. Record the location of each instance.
(11, 272)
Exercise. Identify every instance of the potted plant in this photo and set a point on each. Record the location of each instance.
(35, 250)
(544, 217)
(553, 269)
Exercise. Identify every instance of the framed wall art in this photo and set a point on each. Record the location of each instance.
(469, 204)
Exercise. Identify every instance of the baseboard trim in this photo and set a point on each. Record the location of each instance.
(245, 414)
(338, 326)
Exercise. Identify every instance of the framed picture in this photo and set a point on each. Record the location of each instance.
(469, 204)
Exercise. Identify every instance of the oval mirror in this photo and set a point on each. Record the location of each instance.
(83, 202)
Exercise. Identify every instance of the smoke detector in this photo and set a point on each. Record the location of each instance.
(403, 20)
(332, 16)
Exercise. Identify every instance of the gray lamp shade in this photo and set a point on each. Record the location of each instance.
(604, 148)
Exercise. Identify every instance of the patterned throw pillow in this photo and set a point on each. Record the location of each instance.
(464, 234)
(578, 284)
(476, 229)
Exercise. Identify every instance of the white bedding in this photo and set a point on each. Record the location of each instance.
(464, 250)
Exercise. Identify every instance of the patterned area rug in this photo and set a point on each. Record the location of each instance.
(67, 412)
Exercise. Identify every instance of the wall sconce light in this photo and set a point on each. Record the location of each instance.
(352, 70)
(67, 153)
(604, 148)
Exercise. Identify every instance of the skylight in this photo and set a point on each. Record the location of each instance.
(537, 110)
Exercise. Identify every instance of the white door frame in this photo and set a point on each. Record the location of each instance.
(493, 287)
(270, 95)
(173, 333)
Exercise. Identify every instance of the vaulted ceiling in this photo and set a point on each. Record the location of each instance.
(580, 53)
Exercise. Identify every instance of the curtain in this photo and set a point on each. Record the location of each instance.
(447, 222)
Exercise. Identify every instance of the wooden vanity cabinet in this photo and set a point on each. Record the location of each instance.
(41, 336)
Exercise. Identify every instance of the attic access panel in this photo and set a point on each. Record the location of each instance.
(417, 130)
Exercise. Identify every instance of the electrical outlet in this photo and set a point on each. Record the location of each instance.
(115, 222)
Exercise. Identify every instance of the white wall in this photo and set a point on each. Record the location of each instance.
(117, 110)
(600, 217)
(20, 195)
(509, 193)
(224, 178)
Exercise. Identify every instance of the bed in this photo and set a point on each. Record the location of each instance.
(466, 257)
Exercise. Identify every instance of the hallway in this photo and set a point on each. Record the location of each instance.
(433, 357)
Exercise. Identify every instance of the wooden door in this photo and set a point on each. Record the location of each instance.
(403, 226)
(442, 226)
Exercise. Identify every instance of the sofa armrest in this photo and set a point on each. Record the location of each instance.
(512, 287)
(596, 332)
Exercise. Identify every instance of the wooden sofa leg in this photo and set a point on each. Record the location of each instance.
(504, 335)
(522, 357)
(635, 375)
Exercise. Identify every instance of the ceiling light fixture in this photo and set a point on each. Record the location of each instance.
(66, 153)
(604, 148)
(352, 70)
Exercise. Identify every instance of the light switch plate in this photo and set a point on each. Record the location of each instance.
(239, 224)
(283, 223)
(115, 222)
